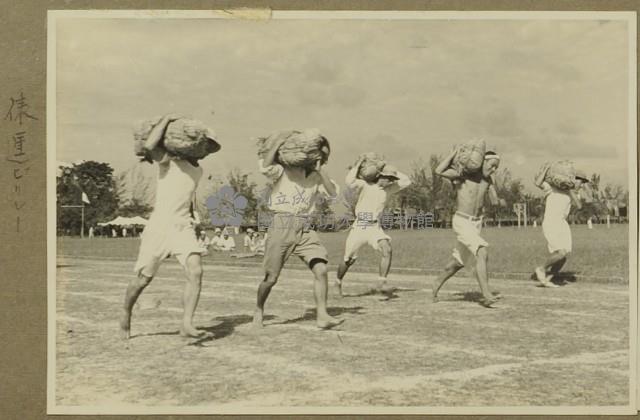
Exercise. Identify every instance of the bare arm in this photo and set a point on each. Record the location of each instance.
(575, 198)
(273, 171)
(403, 180)
(540, 176)
(351, 180)
(327, 183)
(159, 154)
(158, 130)
(493, 193)
(401, 183)
(270, 155)
(546, 188)
(493, 196)
(444, 168)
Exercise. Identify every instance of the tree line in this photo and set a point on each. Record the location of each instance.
(428, 193)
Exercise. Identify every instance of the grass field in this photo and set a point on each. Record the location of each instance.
(599, 253)
(545, 347)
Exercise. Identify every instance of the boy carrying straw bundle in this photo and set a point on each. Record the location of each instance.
(170, 229)
(560, 192)
(366, 227)
(467, 221)
(299, 180)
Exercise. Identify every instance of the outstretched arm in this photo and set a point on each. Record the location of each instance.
(445, 170)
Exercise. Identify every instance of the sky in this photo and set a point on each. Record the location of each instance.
(535, 90)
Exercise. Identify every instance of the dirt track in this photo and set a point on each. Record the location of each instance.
(546, 347)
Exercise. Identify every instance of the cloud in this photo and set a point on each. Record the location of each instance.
(535, 90)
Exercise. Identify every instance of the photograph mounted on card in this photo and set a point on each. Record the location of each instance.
(339, 212)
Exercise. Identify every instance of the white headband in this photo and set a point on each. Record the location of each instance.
(487, 157)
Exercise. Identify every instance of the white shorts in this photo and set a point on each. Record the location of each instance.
(468, 238)
(158, 243)
(558, 235)
(360, 235)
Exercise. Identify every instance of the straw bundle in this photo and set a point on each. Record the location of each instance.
(300, 148)
(190, 138)
(371, 166)
(184, 138)
(561, 174)
(470, 156)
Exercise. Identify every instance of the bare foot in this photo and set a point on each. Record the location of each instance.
(548, 282)
(386, 289)
(125, 326)
(434, 292)
(328, 322)
(487, 302)
(190, 331)
(257, 319)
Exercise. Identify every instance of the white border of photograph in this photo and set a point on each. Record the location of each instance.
(54, 15)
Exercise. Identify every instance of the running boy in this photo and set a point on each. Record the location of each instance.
(293, 197)
(368, 210)
(555, 227)
(467, 222)
(169, 231)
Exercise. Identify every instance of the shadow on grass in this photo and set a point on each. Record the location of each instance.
(385, 294)
(224, 328)
(470, 296)
(565, 277)
(176, 332)
(310, 314)
(560, 279)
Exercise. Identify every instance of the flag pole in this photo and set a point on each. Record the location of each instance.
(82, 222)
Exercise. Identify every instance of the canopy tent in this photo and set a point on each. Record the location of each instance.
(125, 221)
(138, 221)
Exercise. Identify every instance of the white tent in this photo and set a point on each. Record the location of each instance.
(117, 221)
(138, 220)
(125, 221)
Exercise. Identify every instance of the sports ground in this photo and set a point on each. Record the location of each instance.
(567, 346)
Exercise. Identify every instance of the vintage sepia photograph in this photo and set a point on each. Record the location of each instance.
(342, 212)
